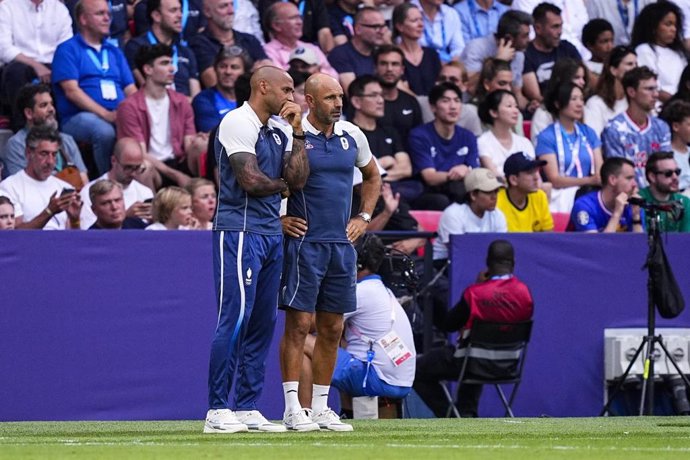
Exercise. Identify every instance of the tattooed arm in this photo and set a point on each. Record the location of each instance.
(295, 163)
(250, 177)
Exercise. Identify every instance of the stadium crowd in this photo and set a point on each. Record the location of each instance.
(501, 116)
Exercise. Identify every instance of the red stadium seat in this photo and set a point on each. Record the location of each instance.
(560, 221)
(527, 128)
(428, 221)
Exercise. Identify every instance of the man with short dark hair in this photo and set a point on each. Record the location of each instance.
(41, 200)
(499, 296)
(663, 175)
(635, 134)
(107, 204)
(543, 52)
(607, 210)
(165, 17)
(524, 205)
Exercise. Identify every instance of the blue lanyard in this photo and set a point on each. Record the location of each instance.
(104, 65)
(623, 11)
(473, 14)
(185, 18)
(153, 40)
(300, 7)
(221, 104)
(430, 42)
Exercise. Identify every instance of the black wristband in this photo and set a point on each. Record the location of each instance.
(298, 136)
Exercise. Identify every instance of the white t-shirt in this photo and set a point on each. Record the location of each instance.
(598, 114)
(666, 63)
(540, 120)
(136, 191)
(458, 219)
(489, 146)
(31, 197)
(374, 320)
(683, 160)
(160, 145)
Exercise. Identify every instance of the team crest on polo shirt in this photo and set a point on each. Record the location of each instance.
(583, 217)
(308, 145)
(276, 137)
(345, 143)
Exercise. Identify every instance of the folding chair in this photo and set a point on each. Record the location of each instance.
(493, 353)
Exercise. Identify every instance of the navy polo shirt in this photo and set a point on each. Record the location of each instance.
(345, 58)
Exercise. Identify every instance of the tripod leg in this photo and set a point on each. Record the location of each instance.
(619, 385)
(648, 377)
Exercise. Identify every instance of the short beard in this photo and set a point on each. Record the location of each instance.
(387, 85)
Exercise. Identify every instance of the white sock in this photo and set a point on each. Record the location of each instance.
(291, 396)
(319, 398)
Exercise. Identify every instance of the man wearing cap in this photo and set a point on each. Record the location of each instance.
(284, 24)
(477, 215)
(525, 206)
(607, 210)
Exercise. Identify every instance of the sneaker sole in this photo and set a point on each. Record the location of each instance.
(304, 429)
(268, 429)
(340, 428)
(233, 429)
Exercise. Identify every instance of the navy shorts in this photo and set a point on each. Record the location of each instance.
(349, 373)
(319, 277)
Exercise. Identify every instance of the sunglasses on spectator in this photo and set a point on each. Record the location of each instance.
(376, 27)
(669, 172)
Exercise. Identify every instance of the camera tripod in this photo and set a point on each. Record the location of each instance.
(651, 340)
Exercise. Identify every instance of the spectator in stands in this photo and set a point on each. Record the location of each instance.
(454, 72)
(315, 22)
(90, 78)
(108, 206)
(172, 209)
(524, 205)
(211, 104)
(478, 214)
(620, 13)
(6, 213)
(165, 17)
(571, 149)
(305, 61)
(662, 174)
(544, 51)
(30, 30)
(564, 71)
(35, 104)
(379, 319)
(442, 29)
(299, 79)
(609, 97)
(501, 113)
(479, 18)
(119, 21)
(607, 210)
(219, 33)
(204, 200)
(128, 168)
(41, 200)
(497, 296)
(341, 14)
(366, 97)
(495, 74)
(597, 36)
(635, 134)
(284, 23)
(507, 44)
(442, 153)
(422, 63)
(658, 41)
(355, 57)
(162, 120)
(193, 19)
(677, 115)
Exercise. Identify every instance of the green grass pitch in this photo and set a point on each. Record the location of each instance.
(515, 439)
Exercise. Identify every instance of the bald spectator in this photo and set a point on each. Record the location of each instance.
(30, 30)
(315, 21)
(218, 33)
(166, 24)
(90, 79)
(41, 200)
(284, 24)
(119, 24)
(128, 168)
(107, 204)
(355, 57)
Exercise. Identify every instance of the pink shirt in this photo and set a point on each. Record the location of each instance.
(279, 54)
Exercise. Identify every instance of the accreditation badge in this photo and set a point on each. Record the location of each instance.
(395, 348)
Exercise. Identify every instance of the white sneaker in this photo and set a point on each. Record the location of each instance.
(223, 421)
(255, 421)
(329, 420)
(299, 420)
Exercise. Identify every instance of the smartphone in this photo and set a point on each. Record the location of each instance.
(148, 201)
(67, 191)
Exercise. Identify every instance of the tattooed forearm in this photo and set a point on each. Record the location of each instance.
(296, 165)
(250, 177)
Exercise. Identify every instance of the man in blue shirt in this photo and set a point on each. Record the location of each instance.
(607, 210)
(442, 153)
(319, 274)
(90, 78)
(479, 18)
(257, 162)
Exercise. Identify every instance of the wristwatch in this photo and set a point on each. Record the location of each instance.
(365, 216)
